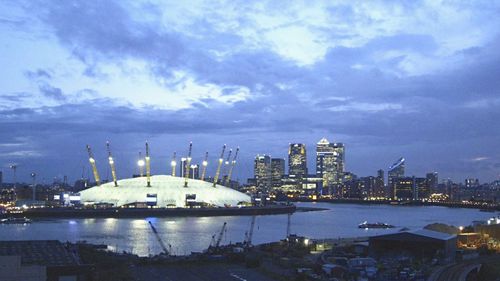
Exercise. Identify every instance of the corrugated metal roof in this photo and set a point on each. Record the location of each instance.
(433, 234)
(421, 232)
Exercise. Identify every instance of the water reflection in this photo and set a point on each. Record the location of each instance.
(187, 234)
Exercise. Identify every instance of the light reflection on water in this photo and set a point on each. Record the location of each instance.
(187, 234)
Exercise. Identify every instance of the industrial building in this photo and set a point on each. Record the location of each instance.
(421, 243)
(163, 191)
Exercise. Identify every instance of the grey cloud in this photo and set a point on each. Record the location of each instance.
(38, 74)
(51, 92)
(432, 120)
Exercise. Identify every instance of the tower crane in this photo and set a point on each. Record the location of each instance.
(94, 168)
(188, 165)
(204, 168)
(233, 163)
(173, 164)
(162, 245)
(221, 233)
(215, 243)
(249, 234)
(217, 172)
(111, 164)
(148, 166)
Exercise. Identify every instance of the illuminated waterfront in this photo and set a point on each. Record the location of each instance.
(186, 234)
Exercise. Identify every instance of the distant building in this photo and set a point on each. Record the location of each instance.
(421, 188)
(277, 171)
(262, 171)
(330, 162)
(432, 181)
(380, 184)
(396, 170)
(194, 171)
(411, 188)
(297, 162)
(1, 179)
(81, 184)
(471, 183)
(183, 167)
(312, 184)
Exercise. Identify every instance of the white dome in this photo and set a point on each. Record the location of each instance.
(169, 191)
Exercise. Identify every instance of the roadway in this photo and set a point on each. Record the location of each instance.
(203, 272)
(459, 271)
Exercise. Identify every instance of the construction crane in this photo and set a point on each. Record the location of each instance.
(215, 243)
(221, 233)
(249, 234)
(173, 164)
(162, 245)
(188, 165)
(230, 173)
(94, 168)
(111, 164)
(217, 172)
(148, 166)
(204, 168)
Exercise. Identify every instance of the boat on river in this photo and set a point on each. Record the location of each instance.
(15, 221)
(367, 225)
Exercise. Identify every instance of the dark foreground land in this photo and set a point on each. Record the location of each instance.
(197, 272)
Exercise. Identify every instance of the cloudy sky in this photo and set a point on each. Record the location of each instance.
(419, 79)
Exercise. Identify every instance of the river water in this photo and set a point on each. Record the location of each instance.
(187, 234)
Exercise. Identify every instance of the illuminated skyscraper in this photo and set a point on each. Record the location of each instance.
(262, 171)
(330, 162)
(297, 162)
(396, 170)
(277, 171)
(432, 181)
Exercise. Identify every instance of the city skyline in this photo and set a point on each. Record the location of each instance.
(417, 80)
(132, 167)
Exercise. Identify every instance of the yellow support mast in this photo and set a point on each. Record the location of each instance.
(148, 166)
(112, 164)
(188, 165)
(226, 167)
(94, 168)
(173, 163)
(217, 172)
(233, 163)
(204, 168)
(140, 163)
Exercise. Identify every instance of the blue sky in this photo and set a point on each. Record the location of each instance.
(418, 79)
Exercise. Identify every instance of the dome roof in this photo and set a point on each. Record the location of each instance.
(168, 190)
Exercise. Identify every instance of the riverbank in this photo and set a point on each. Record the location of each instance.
(469, 205)
(151, 212)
